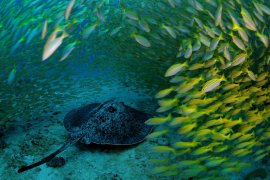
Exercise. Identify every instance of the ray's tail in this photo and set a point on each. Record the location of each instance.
(49, 157)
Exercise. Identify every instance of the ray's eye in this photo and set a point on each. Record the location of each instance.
(112, 109)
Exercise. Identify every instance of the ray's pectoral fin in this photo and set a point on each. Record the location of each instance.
(51, 156)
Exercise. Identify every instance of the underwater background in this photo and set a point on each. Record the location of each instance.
(199, 67)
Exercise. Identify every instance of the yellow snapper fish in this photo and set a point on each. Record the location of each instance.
(193, 172)
(263, 38)
(263, 8)
(183, 144)
(179, 120)
(157, 133)
(242, 152)
(158, 120)
(239, 59)
(174, 69)
(196, 66)
(164, 149)
(186, 110)
(248, 20)
(230, 170)
(218, 16)
(221, 148)
(164, 92)
(238, 42)
(188, 85)
(212, 84)
(215, 161)
(220, 137)
(187, 163)
(227, 54)
(168, 102)
(51, 46)
(187, 128)
(161, 169)
(141, 40)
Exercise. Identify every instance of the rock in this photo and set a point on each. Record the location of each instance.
(258, 173)
(56, 162)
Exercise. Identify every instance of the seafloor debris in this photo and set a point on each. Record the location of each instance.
(56, 162)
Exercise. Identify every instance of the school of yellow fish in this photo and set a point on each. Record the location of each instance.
(217, 104)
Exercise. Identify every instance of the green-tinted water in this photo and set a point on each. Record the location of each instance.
(205, 61)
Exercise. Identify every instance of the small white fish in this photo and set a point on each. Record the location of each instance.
(115, 31)
(144, 26)
(12, 75)
(100, 15)
(67, 51)
(141, 40)
(51, 46)
(89, 30)
(44, 30)
(172, 3)
(33, 33)
(131, 15)
(69, 8)
(54, 34)
(170, 31)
